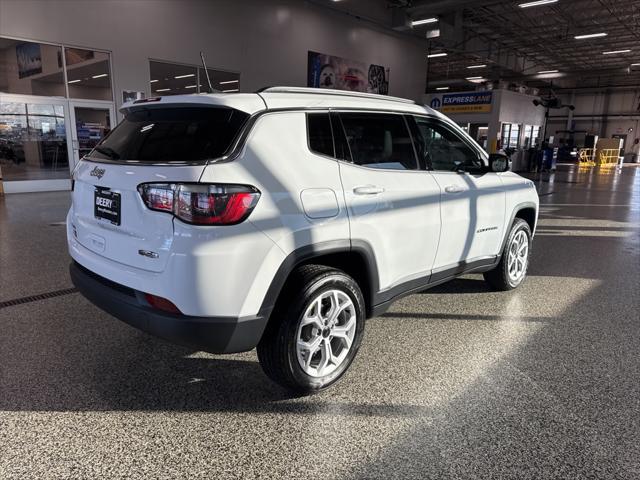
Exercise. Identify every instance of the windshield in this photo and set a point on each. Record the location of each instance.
(172, 135)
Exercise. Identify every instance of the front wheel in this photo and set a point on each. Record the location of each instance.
(512, 269)
(315, 330)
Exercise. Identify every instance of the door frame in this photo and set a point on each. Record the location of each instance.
(74, 154)
(71, 134)
(22, 186)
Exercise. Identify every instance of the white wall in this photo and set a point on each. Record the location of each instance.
(266, 41)
(601, 113)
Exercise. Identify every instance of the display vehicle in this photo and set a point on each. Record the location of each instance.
(284, 219)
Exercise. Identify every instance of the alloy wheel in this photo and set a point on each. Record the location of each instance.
(517, 259)
(325, 333)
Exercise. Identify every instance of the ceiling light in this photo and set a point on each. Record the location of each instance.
(591, 35)
(635, 64)
(100, 76)
(185, 76)
(476, 66)
(74, 81)
(415, 23)
(434, 55)
(191, 86)
(232, 90)
(536, 3)
(473, 78)
(153, 81)
(548, 71)
(228, 81)
(442, 88)
(163, 90)
(613, 52)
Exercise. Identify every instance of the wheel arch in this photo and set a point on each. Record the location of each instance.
(356, 260)
(527, 211)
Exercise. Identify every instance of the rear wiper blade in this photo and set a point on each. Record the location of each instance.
(108, 151)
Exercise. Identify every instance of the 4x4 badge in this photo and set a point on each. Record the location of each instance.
(97, 172)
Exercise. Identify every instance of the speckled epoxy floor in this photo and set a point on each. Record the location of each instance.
(456, 382)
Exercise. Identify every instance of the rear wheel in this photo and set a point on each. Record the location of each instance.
(315, 330)
(512, 269)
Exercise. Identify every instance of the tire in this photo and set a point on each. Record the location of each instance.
(499, 278)
(311, 292)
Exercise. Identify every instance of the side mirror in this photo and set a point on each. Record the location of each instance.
(499, 162)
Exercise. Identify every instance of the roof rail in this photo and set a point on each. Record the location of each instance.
(330, 91)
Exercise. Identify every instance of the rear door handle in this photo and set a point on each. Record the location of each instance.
(368, 190)
(453, 189)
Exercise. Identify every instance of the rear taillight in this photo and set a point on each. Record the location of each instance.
(201, 204)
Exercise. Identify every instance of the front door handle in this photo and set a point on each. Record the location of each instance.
(453, 189)
(368, 190)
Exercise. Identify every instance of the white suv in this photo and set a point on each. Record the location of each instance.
(283, 219)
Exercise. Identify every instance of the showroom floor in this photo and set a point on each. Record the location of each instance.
(456, 382)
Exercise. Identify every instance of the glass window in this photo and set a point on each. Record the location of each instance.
(510, 135)
(319, 131)
(442, 149)
(33, 141)
(172, 79)
(88, 74)
(31, 68)
(227, 82)
(172, 135)
(92, 125)
(379, 140)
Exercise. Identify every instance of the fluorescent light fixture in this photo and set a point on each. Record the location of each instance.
(100, 76)
(191, 86)
(74, 81)
(635, 64)
(591, 35)
(477, 66)
(163, 90)
(473, 78)
(424, 21)
(153, 81)
(435, 55)
(185, 76)
(232, 90)
(442, 88)
(228, 82)
(536, 3)
(613, 52)
(549, 71)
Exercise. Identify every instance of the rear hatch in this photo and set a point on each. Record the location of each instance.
(153, 144)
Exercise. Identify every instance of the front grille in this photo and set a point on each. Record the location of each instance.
(107, 283)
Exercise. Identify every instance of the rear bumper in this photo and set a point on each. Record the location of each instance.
(211, 334)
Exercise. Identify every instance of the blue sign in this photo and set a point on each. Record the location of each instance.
(470, 102)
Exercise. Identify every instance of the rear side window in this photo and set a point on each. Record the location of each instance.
(319, 131)
(172, 135)
(379, 140)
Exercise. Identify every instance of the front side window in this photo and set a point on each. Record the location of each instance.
(172, 135)
(440, 148)
(379, 140)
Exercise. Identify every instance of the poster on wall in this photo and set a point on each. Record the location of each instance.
(327, 71)
(29, 59)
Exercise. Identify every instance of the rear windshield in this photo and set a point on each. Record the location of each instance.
(172, 135)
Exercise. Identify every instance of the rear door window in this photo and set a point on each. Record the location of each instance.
(379, 140)
(172, 135)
